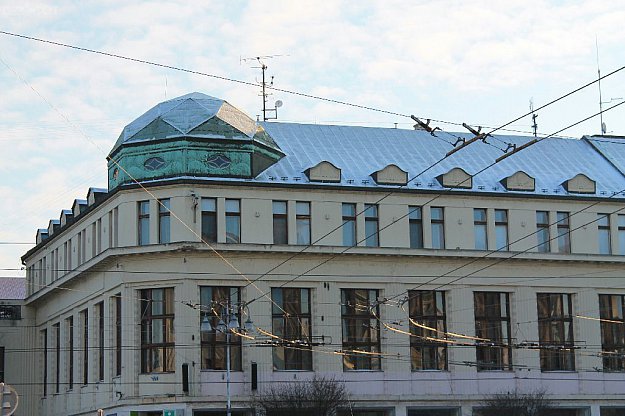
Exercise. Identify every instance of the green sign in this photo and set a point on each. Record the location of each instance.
(169, 413)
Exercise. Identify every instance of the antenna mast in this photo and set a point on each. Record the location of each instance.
(534, 117)
(263, 87)
(603, 129)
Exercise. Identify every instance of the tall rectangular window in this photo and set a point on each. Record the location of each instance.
(291, 321)
(44, 269)
(360, 329)
(110, 217)
(115, 227)
(415, 221)
(555, 332)
(479, 229)
(621, 234)
(209, 220)
(99, 235)
(99, 313)
(164, 221)
(94, 239)
(438, 227)
(372, 226)
(428, 325)
(117, 300)
(143, 231)
(157, 330)
(69, 357)
(302, 222)
(603, 224)
(564, 232)
(280, 223)
(612, 332)
(79, 248)
(56, 329)
(216, 301)
(542, 231)
(44, 341)
(492, 323)
(84, 317)
(233, 221)
(501, 230)
(349, 224)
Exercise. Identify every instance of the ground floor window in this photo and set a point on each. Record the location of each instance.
(613, 411)
(364, 412)
(222, 412)
(548, 412)
(434, 412)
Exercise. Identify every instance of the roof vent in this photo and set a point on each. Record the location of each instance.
(390, 175)
(580, 184)
(456, 178)
(519, 181)
(324, 172)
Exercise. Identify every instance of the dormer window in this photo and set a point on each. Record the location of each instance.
(324, 172)
(456, 178)
(519, 181)
(580, 184)
(390, 175)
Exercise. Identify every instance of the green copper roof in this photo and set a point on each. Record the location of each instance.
(193, 115)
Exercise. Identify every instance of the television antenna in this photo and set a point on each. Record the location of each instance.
(267, 112)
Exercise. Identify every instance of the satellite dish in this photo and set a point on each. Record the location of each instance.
(278, 103)
(603, 128)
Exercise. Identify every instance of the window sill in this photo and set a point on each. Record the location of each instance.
(430, 370)
(156, 373)
(211, 370)
(299, 371)
(363, 371)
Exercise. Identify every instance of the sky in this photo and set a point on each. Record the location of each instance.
(479, 62)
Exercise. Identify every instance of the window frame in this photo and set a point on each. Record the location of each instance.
(84, 314)
(563, 236)
(348, 214)
(438, 223)
(498, 347)
(299, 358)
(621, 233)
(211, 342)
(167, 345)
(164, 221)
(233, 221)
(280, 234)
(415, 224)
(99, 318)
(118, 335)
(350, 319)
(372, 225)
(437, 320)
(502, 224)
(480, 228)
(208, 212)
(70, 351)
(556, 356)
(612, 326)
(303, 222)
(543, 229)
(603, 231)
(143, 224)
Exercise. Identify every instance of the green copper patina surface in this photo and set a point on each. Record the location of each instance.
(191, 136)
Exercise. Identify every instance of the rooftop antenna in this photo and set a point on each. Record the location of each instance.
(534, 117)
(603, 126)
(267, 112)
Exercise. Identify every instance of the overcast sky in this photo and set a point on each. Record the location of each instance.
(456, 61)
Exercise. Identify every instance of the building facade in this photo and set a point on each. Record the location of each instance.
(354, 253)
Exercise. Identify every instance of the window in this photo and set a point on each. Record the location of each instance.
(79, 248)
(492, 323)
(68, 258)
(555, 332)
(1, 364)
(542, 231)
(44, 381)
(349, 225)
(612, 332)
(84, 316)
(621, 234)
(438, 227)
(10, 312)
(117, 300)
(302, 221)
(564, 232)
(372, 223)
(164, 221)
(603, 223)
(70, 352)
(56, 328)
(360, 329)
(479, 229)
(99, 313)
(416, 227)
(233, 221)
(157, 330)
(209, 219)
(98, 235)
(501, 230)
(144, 223)
(280, 223)
(292, 323)
(427, 324)
(94, 239)
(215, 302)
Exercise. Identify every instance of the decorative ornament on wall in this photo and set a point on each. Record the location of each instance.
(219, 161)
(154, 163)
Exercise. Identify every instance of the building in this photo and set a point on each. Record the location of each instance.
(339, 242)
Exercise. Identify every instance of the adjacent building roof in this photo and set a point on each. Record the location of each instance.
(12, 288)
